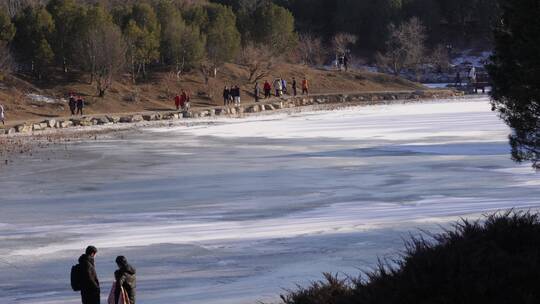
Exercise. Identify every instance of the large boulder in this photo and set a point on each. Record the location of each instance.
(252, 109)
(24, 128)
(102, 121)
(83, 122)
(278, 105)
(66, 124)
(167, 116)
(136, 118)
(149, 117)
(269, 107)
(113, 119)
(51, 123)
(36, 127)
(10, 131)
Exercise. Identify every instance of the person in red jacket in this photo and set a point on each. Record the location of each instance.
(267, 89)
(177, 101)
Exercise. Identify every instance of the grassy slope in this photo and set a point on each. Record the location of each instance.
(157, 92)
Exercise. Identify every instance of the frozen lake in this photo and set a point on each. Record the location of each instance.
(236, 210)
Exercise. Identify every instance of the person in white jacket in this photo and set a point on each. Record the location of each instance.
(2, 115)
(278, 86)
(472, 75)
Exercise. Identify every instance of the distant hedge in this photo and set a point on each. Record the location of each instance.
(494, 260)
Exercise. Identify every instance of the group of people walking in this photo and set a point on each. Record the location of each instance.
(84, 279)
(280, 88)
(76, 104)
(231, 95)
(182, 101)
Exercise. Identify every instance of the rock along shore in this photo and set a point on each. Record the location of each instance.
(272, 104)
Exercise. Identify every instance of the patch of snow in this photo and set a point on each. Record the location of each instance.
(44, 99)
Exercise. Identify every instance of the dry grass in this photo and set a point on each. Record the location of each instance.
(156, 93)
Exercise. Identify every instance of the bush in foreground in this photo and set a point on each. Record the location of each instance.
(496, 260)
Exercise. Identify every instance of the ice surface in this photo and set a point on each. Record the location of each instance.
(235, 210)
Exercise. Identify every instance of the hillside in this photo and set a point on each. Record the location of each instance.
(22, 97)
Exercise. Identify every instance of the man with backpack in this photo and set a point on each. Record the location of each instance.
(84, 277)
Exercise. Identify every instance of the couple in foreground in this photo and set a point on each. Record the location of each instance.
(84, 278)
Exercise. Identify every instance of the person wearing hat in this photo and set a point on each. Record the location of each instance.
(90, 291)
(125, 279)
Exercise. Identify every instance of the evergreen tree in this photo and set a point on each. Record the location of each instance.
(35, 27)
(142, 34)
(273, 26)
(7, 29)
(66, 15)
(223, 38)
(514, 72)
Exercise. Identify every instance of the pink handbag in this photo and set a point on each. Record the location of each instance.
(122, 297)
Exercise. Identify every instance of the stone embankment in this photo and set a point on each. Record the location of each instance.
(366, 98)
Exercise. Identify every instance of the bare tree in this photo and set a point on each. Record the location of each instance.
(310, 50)
(259, 61)
(206, 69)
(103, 53)
(172, 81)
(440, 58)
(342, 41)
(405, 47)
(110, 59)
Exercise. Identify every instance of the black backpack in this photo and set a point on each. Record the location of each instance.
(76, 277)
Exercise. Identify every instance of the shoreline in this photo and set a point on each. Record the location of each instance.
(29, 137)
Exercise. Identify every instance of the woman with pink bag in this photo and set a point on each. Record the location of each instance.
(123, 289)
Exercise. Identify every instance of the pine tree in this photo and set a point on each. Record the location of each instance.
(66, 14)
(514, 72)
(223, 38)
(7, 29)
(35, 27)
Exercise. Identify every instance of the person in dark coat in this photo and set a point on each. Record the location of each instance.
(80, 105)
(72, 104)
(90, 290)
(125, 277)
(458, 79)
(294, 86)
(226, 94)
